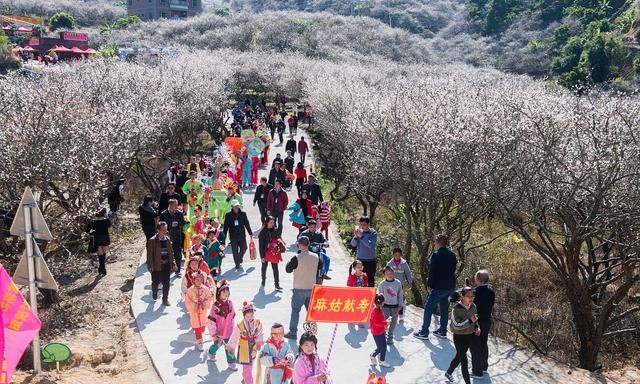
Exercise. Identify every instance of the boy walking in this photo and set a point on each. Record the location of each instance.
(402, 273)
(391, 289)
(484, 300)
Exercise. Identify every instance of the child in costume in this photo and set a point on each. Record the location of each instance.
(214, 253)
(309, 367)
(379, 326)
(198, 301)
(192, 189)
(220, 322)
(196, 264)
(255, 164)
(276, 355)
(197, 245)
(246, 171)
(247, 336)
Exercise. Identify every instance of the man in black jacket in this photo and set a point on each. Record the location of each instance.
(148, 217)
(260, 197)
(171, 193)
(175, 221)
(484, 300)
(235, 223)
(313, 190)
(291, 146)
(440, 285)
(277, 173)
(289, 163)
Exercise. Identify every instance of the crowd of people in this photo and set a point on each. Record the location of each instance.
(200, 214)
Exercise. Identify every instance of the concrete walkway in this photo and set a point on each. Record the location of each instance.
(170, 341)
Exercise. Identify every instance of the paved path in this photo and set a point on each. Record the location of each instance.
(170, 341)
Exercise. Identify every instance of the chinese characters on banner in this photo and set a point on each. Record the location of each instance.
(340, 304)
(20, 325)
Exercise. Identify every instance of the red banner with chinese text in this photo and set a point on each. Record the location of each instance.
(340, 304)
(19, 325)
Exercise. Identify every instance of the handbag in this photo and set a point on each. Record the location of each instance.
(252, 250)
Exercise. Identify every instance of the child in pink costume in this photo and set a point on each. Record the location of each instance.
(309, 367)
(220, 322)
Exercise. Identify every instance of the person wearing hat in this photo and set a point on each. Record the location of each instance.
(313, 189)
(248, 338)
(198, 301)
(192, 190)
(235, 224)
(98, 228)
(309, 366)
(305, 267)
(277, 357)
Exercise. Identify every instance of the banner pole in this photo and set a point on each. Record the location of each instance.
(333, 337)
(33, 294)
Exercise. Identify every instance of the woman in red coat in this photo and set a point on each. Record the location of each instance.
(270, 243)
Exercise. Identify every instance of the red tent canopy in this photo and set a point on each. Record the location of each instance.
(7, 28)
(90, 51)
(60, 49)
(23, 29)
(28, 48)
(78, 50)
(17, 49)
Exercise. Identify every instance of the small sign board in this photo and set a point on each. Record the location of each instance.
(40, 228)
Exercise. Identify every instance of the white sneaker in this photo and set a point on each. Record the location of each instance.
(384, 364)
(373, 359)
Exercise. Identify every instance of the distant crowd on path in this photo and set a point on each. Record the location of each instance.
(200, 214)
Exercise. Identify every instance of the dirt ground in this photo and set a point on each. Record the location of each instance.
(93, 318)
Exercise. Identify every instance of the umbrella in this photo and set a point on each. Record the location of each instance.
(23, 29)
(256, 147)
(90, 51)
(78, 50)
(28, 48)
(17, 49)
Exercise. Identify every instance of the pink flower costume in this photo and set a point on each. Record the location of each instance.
(221, 322)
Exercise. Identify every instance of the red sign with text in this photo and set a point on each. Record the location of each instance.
(340, 304)
(75, 36)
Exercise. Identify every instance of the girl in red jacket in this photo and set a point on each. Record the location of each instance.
(358, 278)
(378, 325)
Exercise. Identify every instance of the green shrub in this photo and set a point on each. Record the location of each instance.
(61, 20)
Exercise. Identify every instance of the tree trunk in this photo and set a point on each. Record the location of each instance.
(372, 210)
(582, 309)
